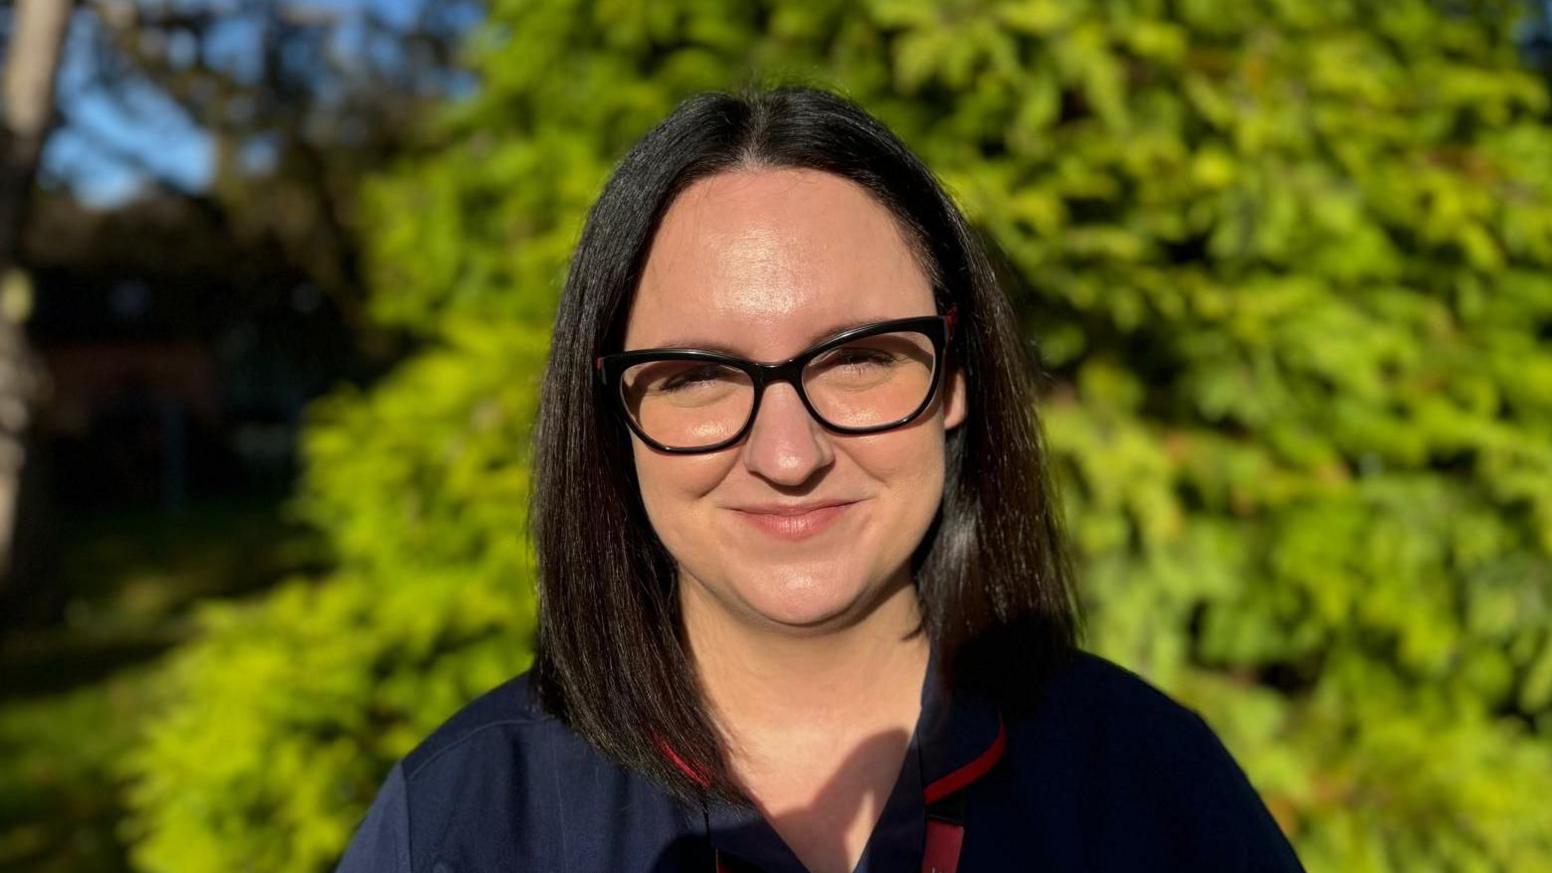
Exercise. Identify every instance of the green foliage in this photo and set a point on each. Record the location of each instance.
(1288, 262)
(279, 724)
(58, 798)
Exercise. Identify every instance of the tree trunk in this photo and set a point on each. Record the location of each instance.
(26, 114)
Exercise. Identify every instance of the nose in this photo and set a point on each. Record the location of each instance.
(786, 446)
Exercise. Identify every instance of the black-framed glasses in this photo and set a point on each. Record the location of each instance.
(866, 379)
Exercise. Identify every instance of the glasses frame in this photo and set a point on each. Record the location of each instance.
(938, 328)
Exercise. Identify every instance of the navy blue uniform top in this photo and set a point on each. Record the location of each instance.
(1106, 773)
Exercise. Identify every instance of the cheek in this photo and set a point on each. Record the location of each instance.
(908, 465)
(670, 485)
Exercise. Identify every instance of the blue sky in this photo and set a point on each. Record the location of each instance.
(102, 149)
(110, 142)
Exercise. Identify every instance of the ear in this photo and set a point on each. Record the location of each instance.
(955, 403)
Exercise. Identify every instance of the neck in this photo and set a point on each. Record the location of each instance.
(769, 681)
(816, 721)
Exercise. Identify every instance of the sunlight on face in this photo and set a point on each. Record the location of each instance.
(762, 263)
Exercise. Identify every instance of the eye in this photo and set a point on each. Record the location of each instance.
(863, 356)
(856, 357)
(689, 378)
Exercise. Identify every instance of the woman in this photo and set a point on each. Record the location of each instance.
(803, 597)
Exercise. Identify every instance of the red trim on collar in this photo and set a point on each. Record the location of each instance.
(695, 776)
(972, 771)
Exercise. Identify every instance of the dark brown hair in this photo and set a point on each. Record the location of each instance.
(992, 571)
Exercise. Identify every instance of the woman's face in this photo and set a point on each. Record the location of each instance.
(763, 263)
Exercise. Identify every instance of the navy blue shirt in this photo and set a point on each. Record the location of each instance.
(1106, 773)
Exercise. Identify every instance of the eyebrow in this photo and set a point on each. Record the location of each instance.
(814, 339)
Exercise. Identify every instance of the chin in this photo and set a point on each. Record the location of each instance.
(804, 601)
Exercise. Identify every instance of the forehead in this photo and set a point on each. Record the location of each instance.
(760, 262)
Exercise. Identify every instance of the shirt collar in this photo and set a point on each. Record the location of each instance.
(957, 739)
(962, 736)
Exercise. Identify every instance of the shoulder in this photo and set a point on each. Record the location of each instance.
(494, 719)
(1107, 740)
(491, 781)
(500, 747)
(501, 779)
(1096, 692)
(1119, 720)
(479, 782)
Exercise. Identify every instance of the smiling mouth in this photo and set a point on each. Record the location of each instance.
(795, 525)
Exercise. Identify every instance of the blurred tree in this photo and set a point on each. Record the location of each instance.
(36, 32)
(1287, 263)
(298, 100)
(272, 111)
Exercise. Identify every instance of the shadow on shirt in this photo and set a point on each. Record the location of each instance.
(749, 842)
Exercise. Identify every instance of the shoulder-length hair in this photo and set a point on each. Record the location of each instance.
(992, 572)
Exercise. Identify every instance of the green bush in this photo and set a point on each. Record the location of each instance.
(1287, 262)
(279, 723)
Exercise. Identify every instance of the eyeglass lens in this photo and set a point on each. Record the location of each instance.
(868, 382)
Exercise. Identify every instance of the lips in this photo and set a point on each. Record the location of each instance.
(790, 508)
(793, 522)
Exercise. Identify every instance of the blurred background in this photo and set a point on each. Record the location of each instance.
(275, 288)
